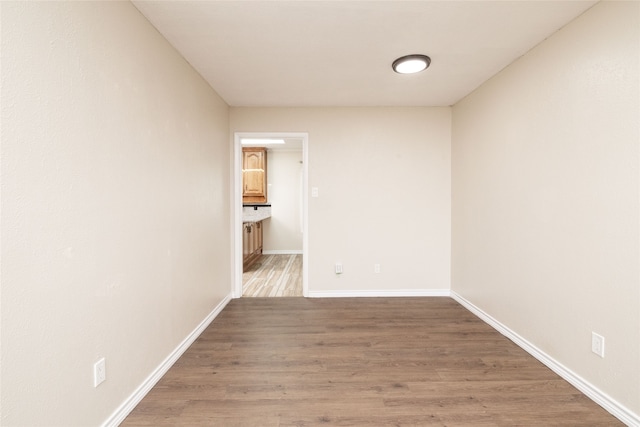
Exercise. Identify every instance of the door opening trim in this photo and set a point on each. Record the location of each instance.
(236, 206)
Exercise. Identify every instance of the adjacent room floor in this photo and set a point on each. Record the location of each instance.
(274, 276)
(359, 362)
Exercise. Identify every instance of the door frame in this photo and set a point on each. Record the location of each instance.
(236, 206)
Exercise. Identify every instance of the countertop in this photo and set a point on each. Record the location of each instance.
(255, 212)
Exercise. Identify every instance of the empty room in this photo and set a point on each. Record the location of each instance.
(453, 187)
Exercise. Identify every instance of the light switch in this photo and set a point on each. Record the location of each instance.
(314, 191)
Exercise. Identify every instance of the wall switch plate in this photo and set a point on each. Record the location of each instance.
(597, 344)
(314, 191)
(338, 268)
(376, 268)
(99, 372)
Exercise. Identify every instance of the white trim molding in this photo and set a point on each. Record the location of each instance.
(611, 405)
(236, 205)
(341, 293)
(132, 401)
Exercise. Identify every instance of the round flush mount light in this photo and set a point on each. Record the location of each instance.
(411, 64)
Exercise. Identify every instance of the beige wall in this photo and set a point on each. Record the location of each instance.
(115, 201)
(383, 176)
(282, 232)
(546, 198)
(115, 218)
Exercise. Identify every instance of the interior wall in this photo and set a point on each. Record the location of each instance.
(546, 197)
(115, 207)
(283, 232)
(383, 179)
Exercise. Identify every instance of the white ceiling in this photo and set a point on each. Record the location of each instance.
(339, 53)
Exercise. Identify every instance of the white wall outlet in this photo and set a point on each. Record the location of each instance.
(376, 268)
(338, 268)
(99, 372)
(597, 344)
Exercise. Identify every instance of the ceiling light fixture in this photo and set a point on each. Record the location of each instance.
(411, 64)
(266, 141)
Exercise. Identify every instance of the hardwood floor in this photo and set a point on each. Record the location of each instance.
(359, 362)
(273, 276)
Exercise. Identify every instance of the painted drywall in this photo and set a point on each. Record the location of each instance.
(282, 232)
(115, 207)
(545, 210)
(383, 179)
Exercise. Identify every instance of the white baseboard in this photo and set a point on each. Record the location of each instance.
(381, 293)
(282, 252)
(130, 403)
(612, 406)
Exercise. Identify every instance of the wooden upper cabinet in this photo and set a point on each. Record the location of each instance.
(254, 175)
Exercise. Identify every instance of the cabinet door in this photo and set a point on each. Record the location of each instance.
(257, 237)
(246, 240)
(253, 182)
(253, 158)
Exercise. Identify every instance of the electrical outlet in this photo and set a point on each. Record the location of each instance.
(99, 372)
(597, 344)
(376, 268)
(338, 268)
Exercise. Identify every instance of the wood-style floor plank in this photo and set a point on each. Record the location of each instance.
(359, 362)
(274, 276)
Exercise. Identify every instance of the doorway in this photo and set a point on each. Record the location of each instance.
(237, 210)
